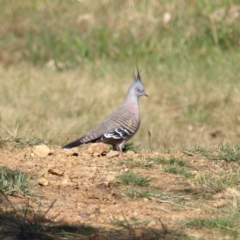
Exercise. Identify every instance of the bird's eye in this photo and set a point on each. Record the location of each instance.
(138, 89)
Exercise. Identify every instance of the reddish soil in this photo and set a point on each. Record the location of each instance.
(86, 192)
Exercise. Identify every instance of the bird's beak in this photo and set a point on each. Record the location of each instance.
(145, 94)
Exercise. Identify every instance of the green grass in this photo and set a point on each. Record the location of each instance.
(177, 162)
(19, 142)
(227, 153)
(223, 152)
(137, 193)
(153, 194)
(164, 161)
(134, 163)
(225, 225)
(177, 170)
(134, 180)
(173, 165)
(202, 193)
(197, 115)
(64, 66)
(169, 198)
(220, 181)
(130, 146)
(15, 182)
(71, 43)
(224, 222)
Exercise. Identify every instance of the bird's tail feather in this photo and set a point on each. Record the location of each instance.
(73, 144)
(81, 141)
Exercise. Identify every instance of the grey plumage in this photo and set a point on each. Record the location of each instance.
(121, 125)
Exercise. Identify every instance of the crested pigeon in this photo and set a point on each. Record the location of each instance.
(121, 125)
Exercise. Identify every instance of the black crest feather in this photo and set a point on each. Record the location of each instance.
(138, 78)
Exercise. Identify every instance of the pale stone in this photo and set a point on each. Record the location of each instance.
(110, 178)
(112, 154)
(43, 181)
(41, 150)
(56, 171)
(65, 182)
(98, 149)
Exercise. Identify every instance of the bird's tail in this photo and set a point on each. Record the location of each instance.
(73, 144)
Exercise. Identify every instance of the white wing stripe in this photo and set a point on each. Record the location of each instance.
(118, 133)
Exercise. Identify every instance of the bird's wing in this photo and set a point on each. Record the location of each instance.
(119, 125)
(124, 127)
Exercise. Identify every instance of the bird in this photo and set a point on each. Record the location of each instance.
(121, 125)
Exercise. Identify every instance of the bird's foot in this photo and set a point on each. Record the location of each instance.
(121, 154)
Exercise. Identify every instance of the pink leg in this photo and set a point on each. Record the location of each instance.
(121, 154)
(121, 146)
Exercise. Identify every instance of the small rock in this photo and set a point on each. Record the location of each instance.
(41, 150)
(110, 178)
(112, 154)
(152, 224)
(232, 192)
(138, 233)
(135, 214)
(43, 181)
(98, 149)
(56, 171)
(65, 182)
(221, 203)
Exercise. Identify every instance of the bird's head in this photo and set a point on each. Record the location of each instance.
(137, 89)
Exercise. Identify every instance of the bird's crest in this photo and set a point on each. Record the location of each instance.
(138, 78)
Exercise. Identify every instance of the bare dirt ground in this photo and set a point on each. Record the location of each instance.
(87, 193)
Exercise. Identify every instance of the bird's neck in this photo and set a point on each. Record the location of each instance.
(132, 102)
